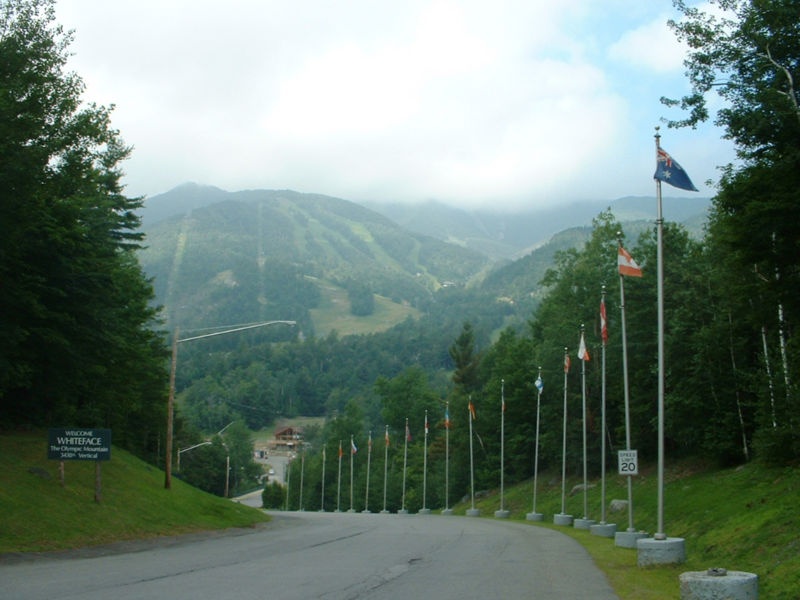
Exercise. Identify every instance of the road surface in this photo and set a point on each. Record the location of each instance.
(330, 556)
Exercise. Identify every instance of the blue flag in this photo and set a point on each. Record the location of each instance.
(539, 384)
(669, 171)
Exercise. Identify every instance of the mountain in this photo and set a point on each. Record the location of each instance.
(264, 254)
(512, 235)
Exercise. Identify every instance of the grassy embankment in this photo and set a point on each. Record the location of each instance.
(743, 519)
(37, 514)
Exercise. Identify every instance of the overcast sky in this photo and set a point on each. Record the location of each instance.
(473, 103)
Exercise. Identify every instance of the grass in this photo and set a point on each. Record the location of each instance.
(37, 514)
(334, 314)
(742, 519)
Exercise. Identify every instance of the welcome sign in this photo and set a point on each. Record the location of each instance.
(79, 444)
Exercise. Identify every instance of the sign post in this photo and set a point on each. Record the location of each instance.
(80, 444)
(628, 462)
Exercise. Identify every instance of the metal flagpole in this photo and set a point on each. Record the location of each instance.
(583, 418)
(533, 515)
(352, 455)
(502, 513)
(447, 510)
(339, 481)
(385, 466)
(405, 463)
(564, 437)
(425, 510)
(472, 512)
(322, 493)
(660, 535)
(302, 475)
(604, 338)
(626, 390)
(369, 460)
(288, 482)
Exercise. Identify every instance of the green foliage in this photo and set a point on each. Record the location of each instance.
(274, 495)
(37, 514)
(76, 330)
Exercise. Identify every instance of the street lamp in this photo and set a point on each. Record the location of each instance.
(171, 397)
(182, 450)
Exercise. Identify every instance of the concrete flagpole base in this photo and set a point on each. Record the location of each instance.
(669, 551)
(424, 511)
(628, 539)
(502, 514)
(402, 511)
(473, 512)
(366, 512)
(385, 512)
(562, 519)
(718, 583)
(583, 523)
(534, 516)
(447, 512)
(352, 510)
(603, 529)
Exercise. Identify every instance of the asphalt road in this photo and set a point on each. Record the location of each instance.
(330, 556)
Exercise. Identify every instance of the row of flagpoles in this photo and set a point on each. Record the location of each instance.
(669, 171)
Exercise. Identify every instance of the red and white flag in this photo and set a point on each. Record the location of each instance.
(583, 353)
(567, 363)
(603, 321)
(626, 264)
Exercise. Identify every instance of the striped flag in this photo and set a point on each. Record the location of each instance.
(353, 447)
(626, 264)
(472, 409)
(447, 418)
(583, 353)
(603, 321)
(567, 363)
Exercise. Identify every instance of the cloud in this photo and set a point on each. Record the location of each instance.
(470, 102)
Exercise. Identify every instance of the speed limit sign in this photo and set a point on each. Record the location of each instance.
(628, 462)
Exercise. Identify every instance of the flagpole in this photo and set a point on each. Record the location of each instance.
(339, 481)
(603, 529)
(472, 512)
(502, 513)
(369, 460)
(322, 493)
(660, 535)
(533, 515)
(288, 482)
(447, 510)
(585, 522)
(352, 455)
(425, 510)
(626, 390)
(403, 510)
(385, 467)
(661, 549)
(562, 518)
(302, 475)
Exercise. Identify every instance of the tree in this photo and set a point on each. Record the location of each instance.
(750, 56)
(77, 342)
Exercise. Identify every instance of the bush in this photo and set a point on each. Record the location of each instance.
(273, 496)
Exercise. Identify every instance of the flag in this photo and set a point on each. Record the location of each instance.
(369, 442)
(340, 449)
(539, 384)
(426, 423)
(669, 171)
(567, 363)
(626, 264)
(603, 321)
(408, 433)
(447, 418)
(386, 436)
(353, 447)
(472, 410)
(583, 353)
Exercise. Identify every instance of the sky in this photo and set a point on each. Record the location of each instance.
(505, 104)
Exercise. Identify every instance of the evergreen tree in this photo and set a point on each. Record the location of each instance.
(76, 344)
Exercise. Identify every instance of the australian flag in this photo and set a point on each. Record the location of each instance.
(669, 171)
